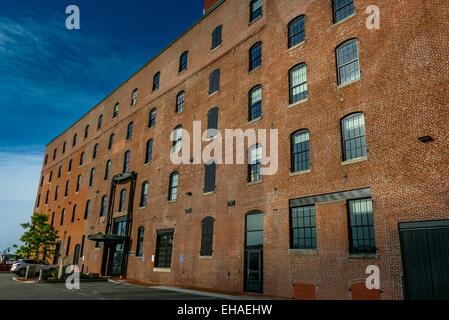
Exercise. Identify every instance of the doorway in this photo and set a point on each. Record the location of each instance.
(118, 252)
(253, 257)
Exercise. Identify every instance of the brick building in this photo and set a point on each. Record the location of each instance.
(363, 179)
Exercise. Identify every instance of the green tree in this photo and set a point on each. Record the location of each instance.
(39, 238)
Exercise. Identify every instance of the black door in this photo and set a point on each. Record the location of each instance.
(118, 253)
(253, 264)
(425, 259)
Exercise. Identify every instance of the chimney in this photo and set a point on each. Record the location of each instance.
(209, 4)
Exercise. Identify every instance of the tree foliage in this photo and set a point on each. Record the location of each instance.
(39, 238)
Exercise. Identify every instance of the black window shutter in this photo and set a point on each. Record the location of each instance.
(209, 177)
(211, 82)
(217, 80)
(219, 33)
(207, 236)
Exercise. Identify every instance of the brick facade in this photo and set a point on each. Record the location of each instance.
(402, 92)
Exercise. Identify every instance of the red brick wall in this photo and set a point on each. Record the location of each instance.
(209, 4)
(401, 92)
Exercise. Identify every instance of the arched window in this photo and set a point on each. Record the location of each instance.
(173, 187)
(209, 176)
(74, 139)
(156, 81)
(54, 153)
(296, 31)
(107, 170)
(255, 9)
(139, 242)
(207, 235)
(104, 206)
(149, 151)
(46, 197)
(179, 102)
(212, 122)
(59, 172)
(121, 207)
(38, 200)
(82, 158)
(254, 163)
(86, 132)
(353, 136)
(56, 193)
(144, 195)
(92, 177)
(300, 153)
(50, 177)
(95, 153)
(255, 103)
(129, 132)
(152, 118)
(177, 139)
(183, 61)
(70, 165)
(46, 159)
(64, 146)
(100, 122)
(62, 217)
(73, 213)
(115, 113)
(214, 81)
(342, 9)
(348, 62)
(67, 184)
(216, 37)
(255, 56)
(126, 161)
(52, 218)
(111, 141)
(68, 246)
(298, 83)
(87, 210)
(78, 183)
(134, 97)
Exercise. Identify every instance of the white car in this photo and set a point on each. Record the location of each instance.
(20, 267)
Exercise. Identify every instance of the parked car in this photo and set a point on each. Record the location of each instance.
(19, 267)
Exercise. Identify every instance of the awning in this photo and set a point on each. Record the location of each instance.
(100, 237)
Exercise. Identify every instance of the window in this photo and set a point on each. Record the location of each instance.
(129, 132)
(100, 122)
(300, 151)
(74, 139)
(82, 158)
(255, 9)
(207, 234)
(361, 226)
(298, 83)
(173, 188)
(42, 181)
(66, 192)
(78, 183)
(64, 146)
(54, 153)
(121, 207)
(59, 171)
(56, 193)
(152, 119)
(115, 113)
(94, 155)
(255, 103)
(87, 210)
(134, 97)
(212, 122)
(50, 176)
(254, 229)
(107, 170)
(149, 151)
(255, 56)
(104, 206)
(92, 177)
(164, 245)
(38, 200)
(111, 141)
(68, 246)
(52, 218)
(144, 195)
(139, 246)
(353, 135)
(73, 214)
(348, 62)
(156, 81)
(46, 197)
(126, 161)
(214, 81)
(70, 166)
(216, 37)
(254, 163)
(62, 217)
(179, 102)
(296, 31)
(46, 159)
(303, 228)
(342, 9)
(183, 61)
(209, 176)
(177, 139)
(86, 132)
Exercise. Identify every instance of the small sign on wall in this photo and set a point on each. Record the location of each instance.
(152, 258)
(143, 258)
(181, 258)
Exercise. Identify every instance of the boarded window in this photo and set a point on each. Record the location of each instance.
(207, 234)
(209, 176)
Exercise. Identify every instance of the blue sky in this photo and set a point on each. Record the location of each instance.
(51, 76)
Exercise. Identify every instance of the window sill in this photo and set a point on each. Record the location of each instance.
(297, 45)
(208, 193)
(147, 164)
(343, 20)
(155, 90)
(255, 120)
(302, 252)
(254, 182)
(357, 160)
(298, 173)
(140, 208)
(213, 93)
(179, 112)
(363, 256)
(216, 48)
(171, 201)
(291, 105)
(181, 72)
(256, 19)
(162, 269)
(255, 69)
(206, 257)
(348, 83)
